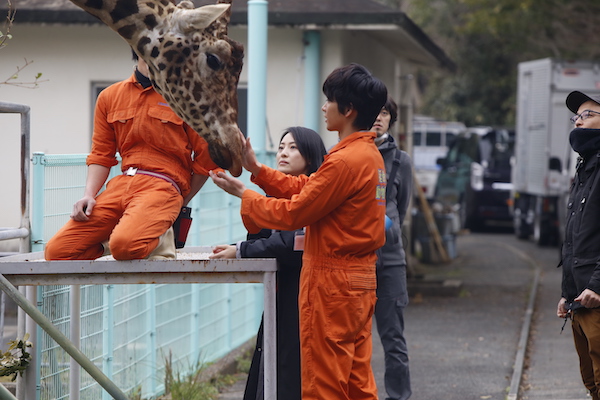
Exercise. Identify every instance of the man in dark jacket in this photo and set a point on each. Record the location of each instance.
(392, 295)
(581, 248)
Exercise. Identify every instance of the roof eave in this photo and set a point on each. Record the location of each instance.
(373, 22)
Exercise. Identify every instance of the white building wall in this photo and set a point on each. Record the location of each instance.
(69, 58)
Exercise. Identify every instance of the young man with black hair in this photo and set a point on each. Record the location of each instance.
(392, 293)
(342, 206)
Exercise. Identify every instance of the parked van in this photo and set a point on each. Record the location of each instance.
(431, 140)
(476, 174)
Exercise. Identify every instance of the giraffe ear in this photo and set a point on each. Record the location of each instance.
(202, 17)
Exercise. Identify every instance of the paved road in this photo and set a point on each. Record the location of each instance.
(463, 343)
(463, 347)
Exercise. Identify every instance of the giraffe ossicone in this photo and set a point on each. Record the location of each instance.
(193, 64)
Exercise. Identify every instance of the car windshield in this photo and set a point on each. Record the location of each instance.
(464, 150)
(495, 148)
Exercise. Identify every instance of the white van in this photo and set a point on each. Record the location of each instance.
(431, 140)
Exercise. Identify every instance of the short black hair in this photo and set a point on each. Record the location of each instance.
(353, 87)
(391, 107)
(134, 55)
(310, 145)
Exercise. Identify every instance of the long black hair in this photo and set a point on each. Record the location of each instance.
(310, 145)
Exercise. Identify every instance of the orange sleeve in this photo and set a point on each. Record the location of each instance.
(202, 161)
(104, 141)
(324, 191)
(278, 184)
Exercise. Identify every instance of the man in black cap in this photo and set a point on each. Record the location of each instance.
(581, 248)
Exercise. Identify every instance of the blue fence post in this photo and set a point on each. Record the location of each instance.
(229, 337)
(37, 211)
(195, 304)
(38, 346)
(108, 339)
(151, 321)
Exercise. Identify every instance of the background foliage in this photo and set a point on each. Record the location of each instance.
(487, 39)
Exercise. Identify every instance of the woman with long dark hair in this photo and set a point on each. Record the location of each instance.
(300, 151)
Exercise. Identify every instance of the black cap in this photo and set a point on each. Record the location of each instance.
(576, 99)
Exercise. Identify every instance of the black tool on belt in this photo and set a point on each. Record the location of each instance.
(181, 226)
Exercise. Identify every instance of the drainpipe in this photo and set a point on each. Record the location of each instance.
(257, 123)
(257, 75)
(312, 79)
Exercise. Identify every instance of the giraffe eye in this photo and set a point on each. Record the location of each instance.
(213, 62)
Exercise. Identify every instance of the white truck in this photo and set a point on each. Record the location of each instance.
(431, 140)
(544, 162)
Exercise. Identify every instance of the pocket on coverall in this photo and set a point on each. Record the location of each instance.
(346, 303)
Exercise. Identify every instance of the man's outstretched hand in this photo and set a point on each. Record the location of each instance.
(228, 183)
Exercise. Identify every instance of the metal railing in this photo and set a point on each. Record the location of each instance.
(30, 269)
(21, 232)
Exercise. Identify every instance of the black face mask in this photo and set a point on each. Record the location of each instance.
(585, 141)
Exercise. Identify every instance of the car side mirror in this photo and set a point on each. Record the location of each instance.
(441, 161)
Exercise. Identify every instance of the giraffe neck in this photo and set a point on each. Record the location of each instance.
(131, 19)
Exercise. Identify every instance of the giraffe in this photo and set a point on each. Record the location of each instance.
(192, 63)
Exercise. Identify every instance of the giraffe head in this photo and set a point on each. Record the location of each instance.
(192, 63)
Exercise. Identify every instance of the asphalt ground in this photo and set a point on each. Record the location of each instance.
(493, 317)
(464, 345)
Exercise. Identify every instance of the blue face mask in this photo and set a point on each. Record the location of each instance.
(585, 141)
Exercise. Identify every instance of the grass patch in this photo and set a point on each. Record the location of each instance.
(197, 385)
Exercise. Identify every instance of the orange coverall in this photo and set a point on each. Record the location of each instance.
(134, 210)
(342, 206)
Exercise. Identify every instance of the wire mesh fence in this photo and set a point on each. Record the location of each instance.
(129, 330)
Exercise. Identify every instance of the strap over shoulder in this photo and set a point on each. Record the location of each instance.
(395, 164)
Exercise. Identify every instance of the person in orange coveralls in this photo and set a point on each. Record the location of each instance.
(165, 163)
(342, 206)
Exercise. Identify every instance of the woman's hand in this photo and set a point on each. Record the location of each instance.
(223, 251)
(249, 161)
(228, 183)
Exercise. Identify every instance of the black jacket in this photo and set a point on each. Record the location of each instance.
(279, 245)
(581, 248)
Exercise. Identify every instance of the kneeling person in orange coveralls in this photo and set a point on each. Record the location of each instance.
(165, 163)
(342, 206)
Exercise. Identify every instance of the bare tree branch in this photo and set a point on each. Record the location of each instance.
(12, 80)
(5, 35)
